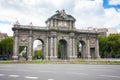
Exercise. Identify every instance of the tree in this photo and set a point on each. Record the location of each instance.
(6, 47)
(109, 46)
(114, 40)
(103, 46)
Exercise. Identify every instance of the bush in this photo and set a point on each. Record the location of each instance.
(38, 54)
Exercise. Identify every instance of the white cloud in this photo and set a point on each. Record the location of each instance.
(112, 17)
(5, 28)
(26, 11)
(92, 14)
(87, 13)
(114, 2)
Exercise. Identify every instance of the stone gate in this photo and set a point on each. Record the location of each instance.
(59, 28)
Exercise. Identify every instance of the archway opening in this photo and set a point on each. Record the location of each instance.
(62, 49)
(81, 49)
(92, 52)
(38, 49)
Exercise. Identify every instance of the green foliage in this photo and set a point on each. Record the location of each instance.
(6, 47)
(109, 46)
(38, 54)
(21, 48)
(78, 50)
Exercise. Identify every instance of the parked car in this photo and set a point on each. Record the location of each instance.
(3, 58)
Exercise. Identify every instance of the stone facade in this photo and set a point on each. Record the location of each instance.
(60, 28)
(3, 35)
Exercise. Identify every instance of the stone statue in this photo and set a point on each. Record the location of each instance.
(61, 13)
(30, 24)
(17, 23)
(58, 12)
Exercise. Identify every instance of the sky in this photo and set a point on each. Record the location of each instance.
(88, 13)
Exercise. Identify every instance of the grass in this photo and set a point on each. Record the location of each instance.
(5, 62)
(78, 61)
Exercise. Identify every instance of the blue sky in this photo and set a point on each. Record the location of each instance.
(88, 13)
(107, 5)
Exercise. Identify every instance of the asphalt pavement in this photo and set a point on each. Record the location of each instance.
(59, 72)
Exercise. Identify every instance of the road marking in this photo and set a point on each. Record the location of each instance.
(50, 79)
(13, 75)
(2, 74)
(110, 76)
(29, 77)
(74, 69)
(103, 70)
(26, 70)
(77, 73)
(48, 71)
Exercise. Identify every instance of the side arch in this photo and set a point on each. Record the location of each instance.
(42, 40)
(62, 49)
(81, 48)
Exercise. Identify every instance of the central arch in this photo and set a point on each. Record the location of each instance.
(62, 52)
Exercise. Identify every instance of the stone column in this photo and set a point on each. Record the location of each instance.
(55, 47)
(46, 49)
(88, 49)
(97, 50)
(83, 51)
(70, 48)
(16, 47)
(74, 55)
(30, 47)
(51, 48)
(43, 51)
(76, 49)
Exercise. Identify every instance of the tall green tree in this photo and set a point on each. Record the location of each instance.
(6, 47)
(109, 46)
(103, 46)
(114, 40)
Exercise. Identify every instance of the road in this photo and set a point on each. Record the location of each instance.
(59, 72)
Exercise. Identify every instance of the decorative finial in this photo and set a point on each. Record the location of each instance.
(17, 22)
(62, 12)
(58, 12)
(30, 24)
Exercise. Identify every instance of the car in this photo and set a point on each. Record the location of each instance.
(3, 58)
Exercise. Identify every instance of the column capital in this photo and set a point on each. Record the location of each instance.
(16, 34)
